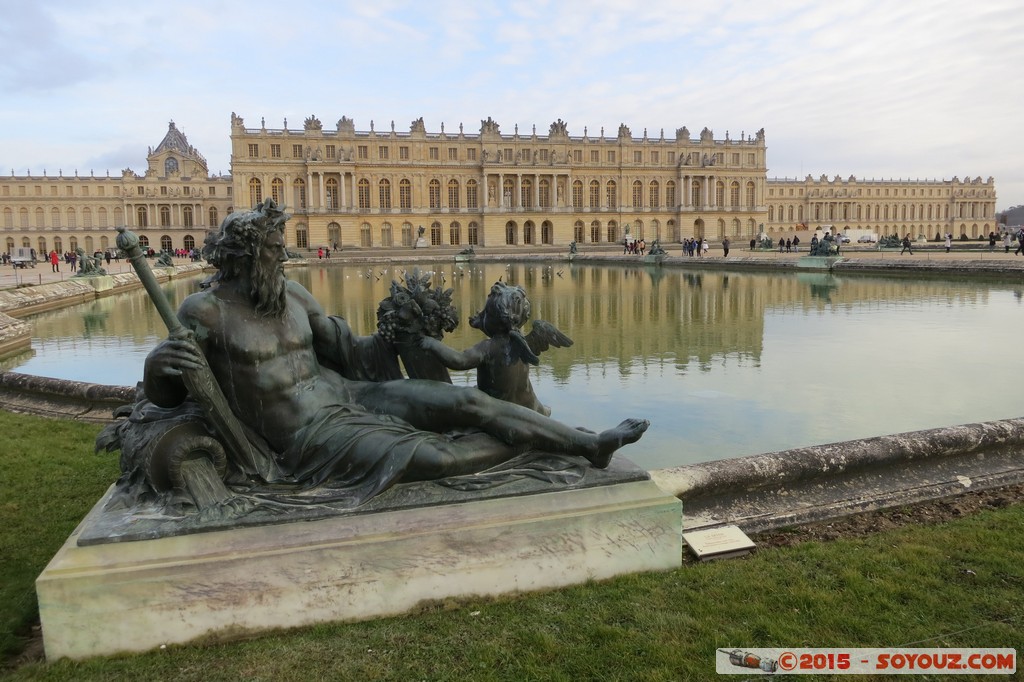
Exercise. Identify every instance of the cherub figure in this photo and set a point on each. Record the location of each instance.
(501, 359)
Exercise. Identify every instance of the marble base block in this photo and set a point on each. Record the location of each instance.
(133, 596)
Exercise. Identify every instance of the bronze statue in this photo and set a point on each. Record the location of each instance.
(88, 266)
(321, 407)
(502, 360)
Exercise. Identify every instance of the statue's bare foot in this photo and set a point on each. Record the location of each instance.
(629, 431)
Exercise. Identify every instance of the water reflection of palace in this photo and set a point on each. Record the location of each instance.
(615, 314)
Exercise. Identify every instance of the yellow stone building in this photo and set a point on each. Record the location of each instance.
(171, 205)
(489, 188)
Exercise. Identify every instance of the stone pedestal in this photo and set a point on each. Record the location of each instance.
(103, 599)
(421, 243)
(100, 282)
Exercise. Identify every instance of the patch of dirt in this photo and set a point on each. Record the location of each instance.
(935, 511)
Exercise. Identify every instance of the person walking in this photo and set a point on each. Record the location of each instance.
(991, 241)
(54, 261)
(906, 245)
(704, 247)
(1006, 241)
(725, 247)
(949, 241)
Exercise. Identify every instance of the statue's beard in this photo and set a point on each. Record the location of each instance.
(268, 289)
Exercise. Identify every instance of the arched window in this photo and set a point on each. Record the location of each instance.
(435, 228)
(595, 231)
(654, 195)
(546, 233)
(434, 194)
(298, 193)
(578, 232)
(213, 217)
(23, 215)
(365, 236)
(771, 213)
(638, 229)
(508, 193)
(363, 188)
(41, 246)
(8, 221)
(118, 217)
(406, 234)
(673, 231)
(472, 194)
(301, 236)
(72, 220)
(142, 217)
(54, 218)
(613, 231)
(545, 193)
(454, 234)
(670, 194)
(734, 194)
(612, 194)
(595, 194)
(186, 216)
(695, 193)
(577, 195)
(638, 194)
(526, 193)
(719, 194)
(528, 232)
(453, 194)
(656, 228)
(165, 216)
(255, 191)
(165, 243)
(334, 234)
(405, 195)
(510, 233)
(750, 195)
(474, 234)
(58, 245)
(384, 194)
(331, 193)
(189, 242)
(86, 217)
(386, 238)
(277, 190)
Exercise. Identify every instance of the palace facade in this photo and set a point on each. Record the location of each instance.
(374, 189)
(171, 205)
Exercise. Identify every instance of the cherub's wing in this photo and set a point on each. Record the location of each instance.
(543, 335)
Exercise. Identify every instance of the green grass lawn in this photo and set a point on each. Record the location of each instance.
(957, 584)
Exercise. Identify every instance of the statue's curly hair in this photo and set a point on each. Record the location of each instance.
(232, 248)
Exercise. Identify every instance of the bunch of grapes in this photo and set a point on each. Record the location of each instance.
(413, 308)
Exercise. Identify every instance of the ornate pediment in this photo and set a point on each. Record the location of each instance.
(418, 126)
(558, 129)
(312, 123)
(624, 132)
(489, 127)
(682, 134)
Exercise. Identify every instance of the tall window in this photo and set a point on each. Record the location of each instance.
(435, 196)
(670, 194)
(545, 193)
(435, 233)
(213, 217)
(365, 236)
(165, 216)
(406, 234)
(254, 151)
(750, 195)
(611, 193)
(528, 232)
(595, 231)
(474, 234)
(333, 233)
(719, 194)
(577, 195)
(331, 190)
(695, 194)
(277, 190)
(275, 151)
(454, 234)
(384, 192)
(54, 217)
(255, 191)
(141, 217)
(386, 238)
(472, 194)
(301, 236)
(405, 195)
(73, 223)
(526, 193)
(299, 190)
(654, 200)
(165, 243)
(453, 193)
(382, 152)
(364, 194)
(638, 194)
(297, 151)
(734, 194)
(189, 242)
(578, 232)
(186, 216)
(595, 194)
(613, 232)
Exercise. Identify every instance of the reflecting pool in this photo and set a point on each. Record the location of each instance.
(724, 364)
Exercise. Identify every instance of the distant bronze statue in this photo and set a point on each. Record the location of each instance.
(573, 248)
(502, 360)
(321, 409)
(656, 249)
(88, 266)
(165, 260)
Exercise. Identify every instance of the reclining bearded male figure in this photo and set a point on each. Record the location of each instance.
(292, 376)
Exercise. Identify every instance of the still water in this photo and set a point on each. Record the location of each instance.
(724, 364)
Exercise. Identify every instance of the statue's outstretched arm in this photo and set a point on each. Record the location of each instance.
(470, 358)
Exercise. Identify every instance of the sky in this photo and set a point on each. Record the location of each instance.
(915, 89)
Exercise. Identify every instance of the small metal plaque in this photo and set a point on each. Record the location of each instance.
(718, 543)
